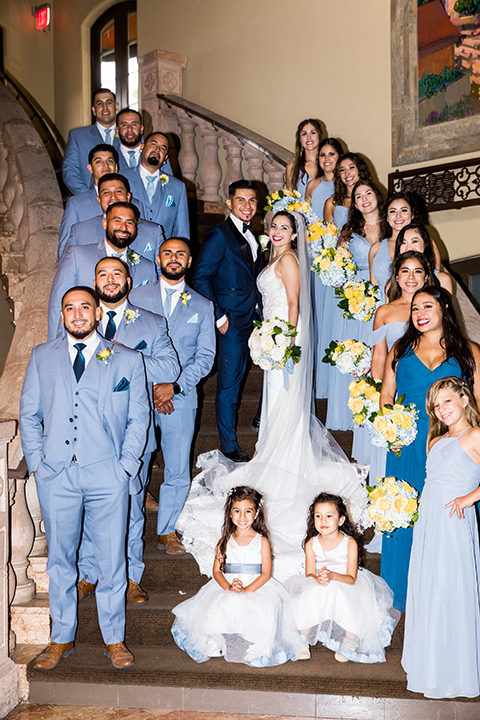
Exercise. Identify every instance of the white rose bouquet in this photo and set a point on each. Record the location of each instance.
(270, 344)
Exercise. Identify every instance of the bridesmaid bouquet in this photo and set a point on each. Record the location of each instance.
(322, 235)
(392, 504)
(359, 299)
(393, 427)
(349, 356)
(289, 200)
(334, 266)
(287, 196)
(270, 346)
(364, 398)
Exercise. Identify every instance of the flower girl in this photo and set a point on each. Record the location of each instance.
(242, 613)
(346, 608)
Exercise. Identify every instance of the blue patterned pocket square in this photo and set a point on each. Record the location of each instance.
(169, 202)
(141, 345)
(148, 247)
(193, 319)
(122, 385)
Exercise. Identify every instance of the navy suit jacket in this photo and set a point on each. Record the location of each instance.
(149, 236)
(77, 267)
(75, 159)
(226, 274)
(104, 415)
(169, 205)
(192, 330)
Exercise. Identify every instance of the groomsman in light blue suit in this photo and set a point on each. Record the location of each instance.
(77, 265)
(115, 188)
(143, 331)
(163, 197)
(191, 326)
(81, 140)
(130, 134)
(84, 416)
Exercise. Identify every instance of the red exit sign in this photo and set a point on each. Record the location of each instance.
(42, 16)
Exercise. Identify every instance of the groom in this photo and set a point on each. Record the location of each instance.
(225, 272)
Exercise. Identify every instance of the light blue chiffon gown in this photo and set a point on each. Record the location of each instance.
(339, 417)
(319, 197)
(413, 379)
(323, 318)
(382, 267)
(303, 181)
(441, 650)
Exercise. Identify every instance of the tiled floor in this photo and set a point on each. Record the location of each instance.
(65, 712)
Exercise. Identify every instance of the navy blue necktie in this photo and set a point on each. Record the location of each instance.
(111, 328)
(79, 362)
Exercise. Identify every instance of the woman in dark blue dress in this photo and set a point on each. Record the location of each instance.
(432, 348)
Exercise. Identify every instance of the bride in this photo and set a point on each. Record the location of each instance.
(295, 457)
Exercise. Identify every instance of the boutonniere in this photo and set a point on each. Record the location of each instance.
(263, 240)
(164, 179)
(185, 297)
(133, 257)
(105, 355)
(131, 315)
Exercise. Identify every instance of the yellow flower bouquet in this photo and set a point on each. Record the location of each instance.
(392, 504)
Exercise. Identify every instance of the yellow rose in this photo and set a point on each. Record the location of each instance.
(384, 525)
(358, 348)
(275, 196)
(393, 490)
(380, 424)
(347, 344)
(370, 392)
(338, 262)
(406, 422)
(363, 386)
(332, 229)
(386, 411)
(352, 386)
(396, 417)
(348, 293)
(104, 353)
(389, 434)
(406, 486)
(399, 504)
(355, 405)
(411, 506)
(376, 494)
(355, 307)
(369, 302)
(324, 264)
(383, 504)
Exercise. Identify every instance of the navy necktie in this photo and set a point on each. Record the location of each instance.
(111, 328)
(79, 362)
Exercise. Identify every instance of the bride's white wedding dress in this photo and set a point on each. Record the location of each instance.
(295, 458)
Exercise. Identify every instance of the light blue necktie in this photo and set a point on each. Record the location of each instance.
(79, 362)
(111, 328)
(108, 136)
(150, 188)
(117, 255)
(132, 162)
(168, 302)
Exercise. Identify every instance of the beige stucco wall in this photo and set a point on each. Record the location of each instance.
(264, 65)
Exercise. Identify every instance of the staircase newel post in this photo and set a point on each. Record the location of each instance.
(233, 149)
(210, 170)
(187, 157)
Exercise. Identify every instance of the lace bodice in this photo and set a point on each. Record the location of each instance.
(274, 297)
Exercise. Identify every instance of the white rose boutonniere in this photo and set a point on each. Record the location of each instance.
(263, 240)
(185, 297)
(105, 355)
(164, 179)
(131, 316)
(133, 257)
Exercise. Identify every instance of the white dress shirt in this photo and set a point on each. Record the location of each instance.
(249, 236)
(125, 150)
(103, 131)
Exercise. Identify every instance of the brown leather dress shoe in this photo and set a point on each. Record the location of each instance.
(135, 594)
(150, 502)
(171, 544)
(52, 655)
(85, 589)
(119, 655)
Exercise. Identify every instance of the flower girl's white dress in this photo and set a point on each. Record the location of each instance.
(255, 628)
(355, 620)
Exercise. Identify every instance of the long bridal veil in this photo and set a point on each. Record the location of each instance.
(295, 459)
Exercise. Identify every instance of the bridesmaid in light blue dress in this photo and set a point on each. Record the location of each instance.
(415, 237)
(304, 165)
(318, 192)
(432, 348)
(360, 232)
(442, 622)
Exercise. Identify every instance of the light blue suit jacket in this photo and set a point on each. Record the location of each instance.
(169, 205)
(77, 267)
(192, 330)
(75, 159)
(147, 334)
(149, 236)
(105, 415)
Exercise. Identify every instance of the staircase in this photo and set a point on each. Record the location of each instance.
(165, 677)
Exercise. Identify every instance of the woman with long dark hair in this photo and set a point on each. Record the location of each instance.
(321, 188)
(304, 165)
(433, 347)
(415, 236)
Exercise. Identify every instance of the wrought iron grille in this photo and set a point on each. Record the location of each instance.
(443, 187)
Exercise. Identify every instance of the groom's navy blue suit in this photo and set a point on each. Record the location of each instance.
(226, 273)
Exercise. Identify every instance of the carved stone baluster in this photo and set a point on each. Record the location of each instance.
(275, 173)
(40, 542)
(9, 190)
(210, 170)
(255, 163)
(233, 149)
(22, 540)
(187, 157)
(3, 176)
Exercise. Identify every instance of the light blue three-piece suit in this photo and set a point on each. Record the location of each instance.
(191, 328)
(146, 333)
(84, 440)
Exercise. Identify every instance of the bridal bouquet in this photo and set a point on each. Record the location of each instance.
(349, 356)
(392, 504)
(364, 398)
(334, 266)
(359, 299)
(393, 427)
(270, 346)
